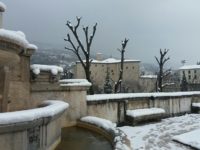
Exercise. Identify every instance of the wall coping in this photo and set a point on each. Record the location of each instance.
(117, 137)
(24, 119)
(101, 98)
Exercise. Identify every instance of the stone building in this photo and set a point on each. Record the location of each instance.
(192, 75)
(99, 69)
(148, 83)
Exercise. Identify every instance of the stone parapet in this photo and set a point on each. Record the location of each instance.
(113, 106)
(38, 128)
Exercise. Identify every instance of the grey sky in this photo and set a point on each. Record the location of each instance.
(149, 24)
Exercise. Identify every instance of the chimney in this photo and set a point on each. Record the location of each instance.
(2, 9)
(99, 56)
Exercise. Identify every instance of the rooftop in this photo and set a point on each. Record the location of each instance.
(112, 60)
(187, 67)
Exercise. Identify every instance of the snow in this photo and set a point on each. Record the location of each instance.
(107, 125)
(50, 109)
(196, 104)
(187, 67)
(144, 112)
(16, 37)
(189, 138)
(74, 82)
(2, 7)
(103, 123)
(98, 97)
(149, 76)
(37, 68)
(159, 136)
(112, 60)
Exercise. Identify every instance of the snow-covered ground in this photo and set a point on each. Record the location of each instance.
(158, 136)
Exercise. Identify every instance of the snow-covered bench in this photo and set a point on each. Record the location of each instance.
(142, 115)
(195, 107)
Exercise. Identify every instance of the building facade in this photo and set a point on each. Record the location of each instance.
(191, 72)
(100, 68)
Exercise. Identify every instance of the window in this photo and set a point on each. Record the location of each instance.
(102, 65)
(189, 72)
(183, 72)
(127, 67)
(133, 67)
(189, 77)
(195, 76)
(195, 71)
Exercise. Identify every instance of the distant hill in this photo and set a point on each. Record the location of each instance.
(147, 68)
(52, 55)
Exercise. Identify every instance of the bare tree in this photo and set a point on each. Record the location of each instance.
(162, 74)
(78, 48)
(122, 51)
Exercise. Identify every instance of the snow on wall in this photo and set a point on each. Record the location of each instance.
(50, 109)
(109, 126)
(2, 7)
(149, 76)
(16, 37)
(37, 68)
(196, 105)
(103, 123)
(145, 112)
(98, 97)
(74, 82)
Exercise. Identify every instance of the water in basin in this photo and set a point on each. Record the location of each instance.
(75, 138)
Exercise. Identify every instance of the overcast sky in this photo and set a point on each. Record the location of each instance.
(149, 24)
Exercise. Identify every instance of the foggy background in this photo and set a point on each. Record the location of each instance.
(148, 24)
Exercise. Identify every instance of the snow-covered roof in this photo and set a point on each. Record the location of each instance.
(51, 109)
(149, 76)
(74, 82)
(2, 7)
(188, 67)
(37, 68)
(16, 37)
(111, 61)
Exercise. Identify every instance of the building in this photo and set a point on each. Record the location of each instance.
(192, 76)
(100, 68)
(192, 73)
(148, 83)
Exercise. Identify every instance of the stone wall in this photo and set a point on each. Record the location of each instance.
(75, 96)
(115, 105)
(32, 129)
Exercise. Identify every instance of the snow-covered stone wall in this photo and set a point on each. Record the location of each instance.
(71, 91)
(112, 106)
(38, 128)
